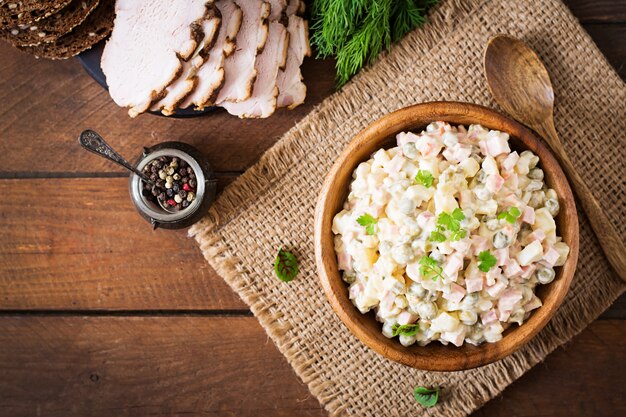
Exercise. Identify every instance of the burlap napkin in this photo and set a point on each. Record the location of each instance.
(272, 204)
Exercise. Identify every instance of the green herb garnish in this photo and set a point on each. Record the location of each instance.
(510, 215)
(285, 265)
(430, 268)
(356, 31)
(369, 222)
(427, 397)
(424, 178)
(405, 329)
(451, 222)
(487, 261)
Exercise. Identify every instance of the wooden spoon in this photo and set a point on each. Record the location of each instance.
(520, 84)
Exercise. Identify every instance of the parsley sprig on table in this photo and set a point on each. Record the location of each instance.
(449, 222)
(356, 31)
(430, 268)
(511, 215)
(427, 397)
(486, 261)
(369, 222)
(285, 265)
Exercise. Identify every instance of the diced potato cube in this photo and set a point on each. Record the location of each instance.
(531, 253)
(444, 322)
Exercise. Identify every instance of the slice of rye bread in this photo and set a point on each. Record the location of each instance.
(22, 12)
(96, 27)
(51, 28)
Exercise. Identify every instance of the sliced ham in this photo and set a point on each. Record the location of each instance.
(176, 92)
(262, 102)
(291, 89)
(239, 68)
(295, 7)
(149, 43)
(210, 76)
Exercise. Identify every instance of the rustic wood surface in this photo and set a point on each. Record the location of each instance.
(101, 316)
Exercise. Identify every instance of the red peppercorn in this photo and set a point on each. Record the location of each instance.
(171, 202)
(186, 187)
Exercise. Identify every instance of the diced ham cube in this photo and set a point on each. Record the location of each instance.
(537, 235)
(494, 183)
(456, 293)
(461, 246)
(479, 244)
(424, 218)
(497, 144)
(458, 152)
(529, 215)
(489, 317)
(551, 256)
(493, 275)
(345, 261)
(509, 162)
(512, 268)
(502, 256)
(495, 290)
(474, 284)
(428, 146)
(534, 303)
(503, 315)
(406, 318)
(483, 147)
(452, 265)
(509, 298)
(528, 270)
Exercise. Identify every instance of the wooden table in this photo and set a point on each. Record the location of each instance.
(101, 316)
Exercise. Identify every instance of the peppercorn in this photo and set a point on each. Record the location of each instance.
(171, 202)
(185, 203)
(191, 196)
(192, 182)
(178, 199)
(182, 194)
(154, 169)
(169, 192)
(153, 177)
(184, 180)
(168, 185)
(176, 187)
(162, 174)
(160, 183)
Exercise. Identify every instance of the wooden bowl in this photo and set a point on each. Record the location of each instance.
(381, 134)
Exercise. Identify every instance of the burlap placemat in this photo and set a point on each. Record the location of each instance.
(272, 204)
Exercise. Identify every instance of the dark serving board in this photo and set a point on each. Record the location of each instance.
(90, 59)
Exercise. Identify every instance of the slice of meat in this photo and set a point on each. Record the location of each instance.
(262, 103)
(295, 7)
(51, 28)
(239, 68)
(150, 39)
(277, 9)
(292, 91)
(180, 88)
(210, 76)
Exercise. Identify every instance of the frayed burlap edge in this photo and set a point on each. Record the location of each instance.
(292, 148)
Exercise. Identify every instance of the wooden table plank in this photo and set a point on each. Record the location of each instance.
(594, 11)
(66, 101)
(225, 366)
(64, 249)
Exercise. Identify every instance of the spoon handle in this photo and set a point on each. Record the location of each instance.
(609, 239)
(95, 143)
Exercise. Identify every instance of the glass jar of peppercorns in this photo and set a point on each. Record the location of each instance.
(183, 185)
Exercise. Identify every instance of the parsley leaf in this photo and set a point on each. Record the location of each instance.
(457, 214)
(437, 235)
(511, 215)
(405, 329)
(458, 235)
(430, 267)
(451, 222)
(427, 397)
(424, 178)
(369, 222)
(285, 265)
(487, 261)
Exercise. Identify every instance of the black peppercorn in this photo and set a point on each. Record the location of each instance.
(192, 182)
(169, 192)
(153, 177)
(182, 194)
(176, 187)
(185, 203)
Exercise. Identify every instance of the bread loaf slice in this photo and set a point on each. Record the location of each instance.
(239, 69)
(50, 28)
(210, 76)
(149, 42)
(96, 27)
(22, 12)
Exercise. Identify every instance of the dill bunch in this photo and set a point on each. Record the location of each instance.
(356, 31)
